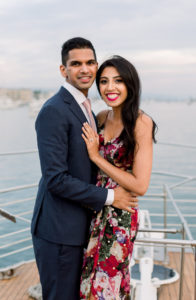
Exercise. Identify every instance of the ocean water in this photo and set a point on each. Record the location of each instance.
(176, 124)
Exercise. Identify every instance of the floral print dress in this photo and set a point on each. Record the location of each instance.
(105, 272)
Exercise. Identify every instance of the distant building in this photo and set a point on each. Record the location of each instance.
(24, 95)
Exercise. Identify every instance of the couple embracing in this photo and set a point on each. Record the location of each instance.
(86, 217)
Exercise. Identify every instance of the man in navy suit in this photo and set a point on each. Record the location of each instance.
(67, 195)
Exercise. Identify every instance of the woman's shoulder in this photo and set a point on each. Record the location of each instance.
(102, 116)
(144, 121)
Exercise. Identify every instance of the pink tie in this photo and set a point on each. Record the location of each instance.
(87, 106)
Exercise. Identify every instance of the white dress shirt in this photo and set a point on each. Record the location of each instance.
(80, 98)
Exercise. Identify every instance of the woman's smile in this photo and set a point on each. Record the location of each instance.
(112, 96)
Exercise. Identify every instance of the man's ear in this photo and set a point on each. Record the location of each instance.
(63, 71)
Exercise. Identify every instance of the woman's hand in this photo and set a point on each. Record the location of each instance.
(91, 139)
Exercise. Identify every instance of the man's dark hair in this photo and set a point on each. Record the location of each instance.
(75, 43)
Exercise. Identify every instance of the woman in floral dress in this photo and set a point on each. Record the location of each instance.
(123, 153)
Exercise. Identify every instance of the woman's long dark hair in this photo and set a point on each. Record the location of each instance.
(130, 107)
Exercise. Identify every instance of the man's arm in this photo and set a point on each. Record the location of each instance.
(52, 138)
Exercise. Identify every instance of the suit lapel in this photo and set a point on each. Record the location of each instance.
(96, 122)
(77, 111)
(74, 106)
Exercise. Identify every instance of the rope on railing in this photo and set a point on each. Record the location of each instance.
(12, 217)
(7, 215)
(19, 215)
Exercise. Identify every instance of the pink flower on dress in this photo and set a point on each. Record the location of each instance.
(115, 284)
(113, 222)
(117, 251)
(92, 246)
(110, 184)
(101, 282)
(109, 149)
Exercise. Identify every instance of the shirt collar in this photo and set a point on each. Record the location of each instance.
(77, 94)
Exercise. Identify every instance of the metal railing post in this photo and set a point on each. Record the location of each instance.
(182, 265)
(195, 273)
(165, 220)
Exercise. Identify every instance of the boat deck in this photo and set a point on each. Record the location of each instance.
(171, 291)
(16, 288)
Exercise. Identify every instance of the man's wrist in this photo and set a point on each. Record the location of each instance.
(110, 197)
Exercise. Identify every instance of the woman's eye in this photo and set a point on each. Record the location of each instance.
(119, 80)
(103, 81)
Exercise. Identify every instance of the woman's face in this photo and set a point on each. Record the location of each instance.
(112, 88)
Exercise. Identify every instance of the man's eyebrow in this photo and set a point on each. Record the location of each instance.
(79, 62)
(75, 61)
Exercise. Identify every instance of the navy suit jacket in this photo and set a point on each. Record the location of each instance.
(66, 194)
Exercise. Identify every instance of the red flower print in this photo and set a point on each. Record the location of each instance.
(109, 265)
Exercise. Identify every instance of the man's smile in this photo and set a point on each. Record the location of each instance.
(85, 78)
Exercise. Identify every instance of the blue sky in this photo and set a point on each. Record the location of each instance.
(158, 37)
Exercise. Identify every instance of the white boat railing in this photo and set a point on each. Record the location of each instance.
(18, 152)
(35, 150)
(17, 188)
(177, 145)
(166, 196)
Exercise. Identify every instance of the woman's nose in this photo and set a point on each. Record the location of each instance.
(110, 85)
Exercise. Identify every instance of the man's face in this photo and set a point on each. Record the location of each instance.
(80, 69)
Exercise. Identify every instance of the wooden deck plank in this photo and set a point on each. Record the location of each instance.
(188, 279)
(17, 287)
(174, 264)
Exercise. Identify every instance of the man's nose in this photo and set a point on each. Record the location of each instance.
(84, 68)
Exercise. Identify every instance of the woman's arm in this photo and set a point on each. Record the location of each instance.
(138, 180)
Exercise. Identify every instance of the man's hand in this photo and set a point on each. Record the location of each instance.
(124, 200)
